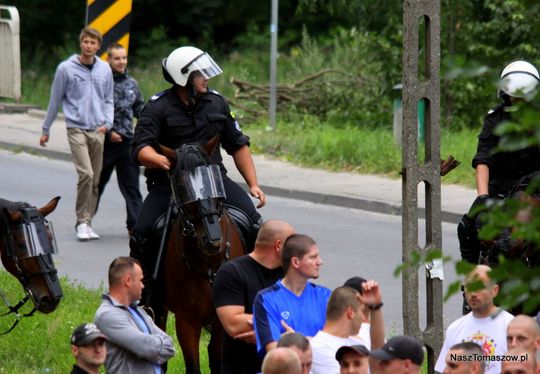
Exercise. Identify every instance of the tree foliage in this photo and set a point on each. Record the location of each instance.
(478, 37)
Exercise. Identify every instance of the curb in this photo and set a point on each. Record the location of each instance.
(313, 197)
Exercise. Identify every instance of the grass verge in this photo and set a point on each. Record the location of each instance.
(355, 149)
(40, 344)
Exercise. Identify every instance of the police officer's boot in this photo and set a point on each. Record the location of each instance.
(469, 246)
(141, 250)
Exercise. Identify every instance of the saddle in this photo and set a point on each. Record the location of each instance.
(247, 229)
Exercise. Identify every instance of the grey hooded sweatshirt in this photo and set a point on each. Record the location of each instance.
(86, 95)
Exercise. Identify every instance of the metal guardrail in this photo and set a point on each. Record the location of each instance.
(10, 53)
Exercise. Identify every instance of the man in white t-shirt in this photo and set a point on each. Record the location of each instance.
(485, 325)
(343, 319)
(356, 283)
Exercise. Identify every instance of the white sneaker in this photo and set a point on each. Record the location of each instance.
(82, 232)
(93, 235)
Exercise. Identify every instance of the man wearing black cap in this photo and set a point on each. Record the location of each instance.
(88, 348)
(401, 354)
(353, 359)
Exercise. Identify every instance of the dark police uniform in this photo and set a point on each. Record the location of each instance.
(505, 168)
(166, 120)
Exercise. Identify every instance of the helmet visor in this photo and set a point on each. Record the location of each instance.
(205, 65)
(520, 85)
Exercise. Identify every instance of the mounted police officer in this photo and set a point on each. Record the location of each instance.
(187, 112)
(497, 172)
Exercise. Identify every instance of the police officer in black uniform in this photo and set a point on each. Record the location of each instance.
(498, 172)
(188, 112)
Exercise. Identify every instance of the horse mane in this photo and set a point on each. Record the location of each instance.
(10, 206)
(190, 156)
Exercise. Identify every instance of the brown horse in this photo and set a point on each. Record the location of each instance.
(26, 247)
(201, 238)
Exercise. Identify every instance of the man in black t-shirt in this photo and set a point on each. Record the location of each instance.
(236, 284)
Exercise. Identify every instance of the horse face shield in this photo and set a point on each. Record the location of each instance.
(32, 242)
(33, 236)
(203, 182)
(204, 185)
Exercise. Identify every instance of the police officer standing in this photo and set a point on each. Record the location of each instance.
(498, 171)
(187, 112)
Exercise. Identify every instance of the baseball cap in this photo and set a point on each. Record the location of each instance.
(351, 348)
(356, 283)
(401, 347)
(85, 334)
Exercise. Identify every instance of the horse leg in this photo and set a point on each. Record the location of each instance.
(215, 347)
(189, 336)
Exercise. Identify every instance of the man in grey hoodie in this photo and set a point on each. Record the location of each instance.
(135, 344)
(84, 84)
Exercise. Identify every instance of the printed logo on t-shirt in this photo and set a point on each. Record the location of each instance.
(485, 342)
(285, 315)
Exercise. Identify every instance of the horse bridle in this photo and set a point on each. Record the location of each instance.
(29, 215)
(189, 230)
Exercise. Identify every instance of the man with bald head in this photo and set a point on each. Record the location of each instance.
(485, 325)
(281, 360)
(523, 332)
(236, 284)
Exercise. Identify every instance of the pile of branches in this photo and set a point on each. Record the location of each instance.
(315, 94)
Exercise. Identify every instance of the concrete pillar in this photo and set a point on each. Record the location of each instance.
(421, 37)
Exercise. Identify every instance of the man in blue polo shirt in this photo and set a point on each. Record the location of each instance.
(292, 303)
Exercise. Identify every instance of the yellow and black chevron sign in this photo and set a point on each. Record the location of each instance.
(112, 18)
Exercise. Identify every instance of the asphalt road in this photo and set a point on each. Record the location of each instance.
(352, 242)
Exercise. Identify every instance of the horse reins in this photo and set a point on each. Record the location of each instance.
(15, 310)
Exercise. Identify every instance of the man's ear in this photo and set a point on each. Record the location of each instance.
(295, 262)
(278, 245)
(75, 350)
(495, 290)
(127, 279)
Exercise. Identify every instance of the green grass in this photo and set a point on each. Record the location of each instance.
(355, 149)
(40, 344)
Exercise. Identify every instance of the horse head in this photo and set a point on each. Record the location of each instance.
(198, 192)
(26, 250)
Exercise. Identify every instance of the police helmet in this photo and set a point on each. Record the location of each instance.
(519, 79)
(183, 61)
